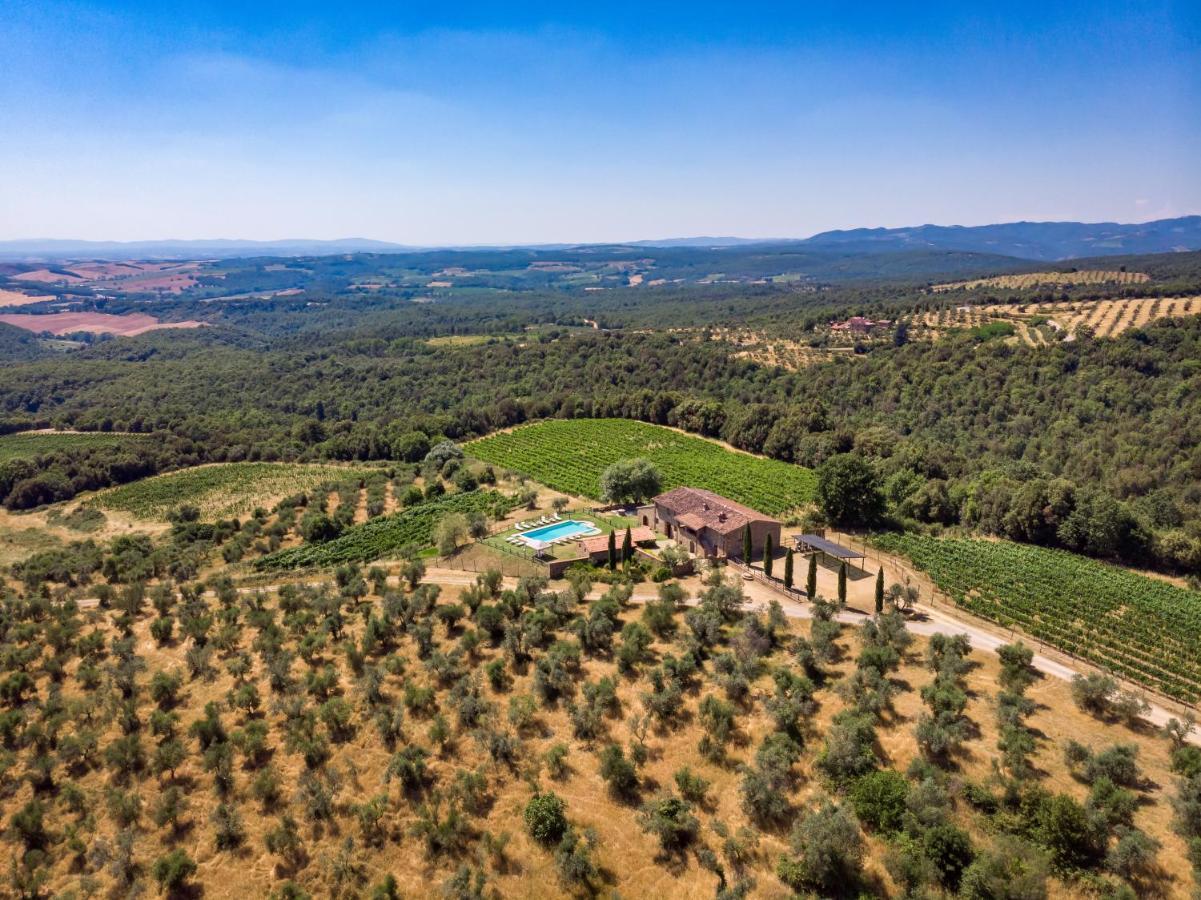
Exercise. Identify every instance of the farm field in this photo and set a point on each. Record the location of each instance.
(221, 490)
(18, 298)
(172, 277)
(378, 537)
(1040, 279)
(1106, 318)
(27, 444)
(1141, 628)
(127, 325)
(569, 455)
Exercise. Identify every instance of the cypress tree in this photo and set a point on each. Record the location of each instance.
(768, 549)
(842, 583)
(746, 545)
(612, 550)
(880, 592)
(627, 546)
(788, 569)
(811, 581)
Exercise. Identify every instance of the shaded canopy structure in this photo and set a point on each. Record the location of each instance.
(815, 543)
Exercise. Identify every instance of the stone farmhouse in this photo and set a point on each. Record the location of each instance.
(707, 524)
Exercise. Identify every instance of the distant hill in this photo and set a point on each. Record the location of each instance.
(49, 249)
(1047, 241)
(703, 242)
(1041, 241)
(19, 345)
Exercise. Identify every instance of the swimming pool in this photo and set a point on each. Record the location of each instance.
(559, 530)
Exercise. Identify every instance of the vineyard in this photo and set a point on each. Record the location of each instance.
(27, 445)
(569, 455)
(1140, 628)
(1041, 279)
(223, 490)
(378, 537)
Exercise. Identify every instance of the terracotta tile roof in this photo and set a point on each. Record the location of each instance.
(692, 520)
(639, 535)
(697, 508)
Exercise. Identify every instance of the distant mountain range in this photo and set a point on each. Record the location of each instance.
(1026, 240)
(220, 248)
(1044, 241)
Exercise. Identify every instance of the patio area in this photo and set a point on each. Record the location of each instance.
(549, 536)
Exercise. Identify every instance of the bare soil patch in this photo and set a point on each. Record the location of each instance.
(16, 298)
(126, 325)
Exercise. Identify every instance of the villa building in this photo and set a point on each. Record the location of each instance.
(708, 524)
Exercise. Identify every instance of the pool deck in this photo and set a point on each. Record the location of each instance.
(568, 549)
(561, 531)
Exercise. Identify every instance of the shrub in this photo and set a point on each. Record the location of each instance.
(850, 746)
(1014, 870)
(574, 859)
(1118, 763)
(618, 772)
(690, 785)
(171, 806)
(545, 818)
(556, 760)
(28, 825)
(827, 852)
(227, 826)
(1071, 837)
(1094, 692)
(172, 870)
(879, 799)
(1133, 855)
(950, 849)
(670, 819)
(1114, 805)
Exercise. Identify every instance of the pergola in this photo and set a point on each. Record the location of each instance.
(815, 543)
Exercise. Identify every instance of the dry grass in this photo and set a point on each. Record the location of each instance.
(127, 325)
(17, 298)
(770, 351)
(628, 857)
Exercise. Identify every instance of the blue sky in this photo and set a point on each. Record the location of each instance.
(511, 123)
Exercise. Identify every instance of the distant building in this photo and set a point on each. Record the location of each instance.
(708, 524)
(861, 325)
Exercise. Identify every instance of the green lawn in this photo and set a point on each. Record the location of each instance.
(569, 455)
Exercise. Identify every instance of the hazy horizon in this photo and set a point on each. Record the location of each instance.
(495, 125)
(459, 245)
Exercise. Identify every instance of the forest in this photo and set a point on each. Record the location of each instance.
(1088, 444)
(1008, 439)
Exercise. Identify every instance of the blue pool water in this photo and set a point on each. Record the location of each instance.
(556, 530)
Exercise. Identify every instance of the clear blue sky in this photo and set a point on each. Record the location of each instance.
(436, 123)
